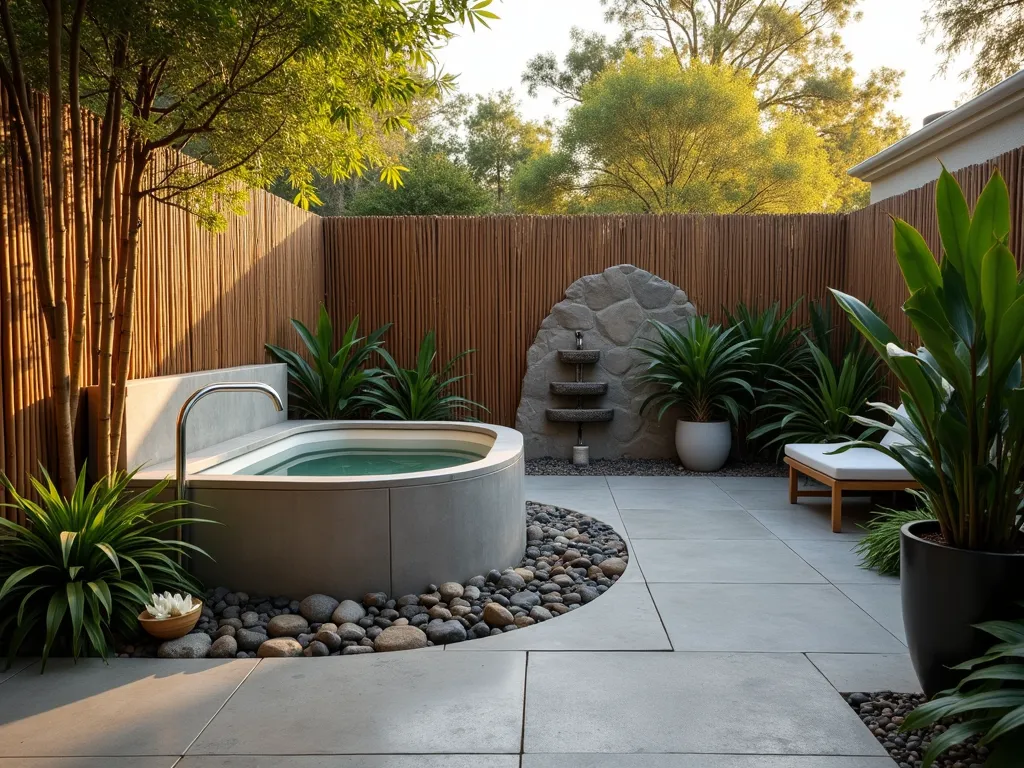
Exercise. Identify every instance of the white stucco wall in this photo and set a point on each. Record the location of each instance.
(970, 149)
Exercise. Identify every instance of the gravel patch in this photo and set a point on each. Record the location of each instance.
(654, 467)
(883, 713)
(570, 560)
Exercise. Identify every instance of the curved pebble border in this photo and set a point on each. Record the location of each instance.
(883, 713)
(651, 467)
(570, 559)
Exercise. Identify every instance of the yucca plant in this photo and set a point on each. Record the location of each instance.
(819, 404)
(880, 547)
(703, 370)
(420, 393)
(988, 702)
(964, 421)
(84, 567)
(329, 388)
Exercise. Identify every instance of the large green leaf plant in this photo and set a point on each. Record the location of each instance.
(83, 566)
(964, 422)
(331, 386)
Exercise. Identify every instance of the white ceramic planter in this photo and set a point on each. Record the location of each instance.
(703, 446)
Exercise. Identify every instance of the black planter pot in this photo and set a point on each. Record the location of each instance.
(945, 591)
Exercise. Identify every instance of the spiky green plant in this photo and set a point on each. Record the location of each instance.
(880, 548)
(420, 393)
(704, 370)
(329, 388)
(776, 352)
(989, 702)
(84, 567)
(964, 421)
(819, 405)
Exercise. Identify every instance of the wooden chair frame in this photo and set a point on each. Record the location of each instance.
(836, 488)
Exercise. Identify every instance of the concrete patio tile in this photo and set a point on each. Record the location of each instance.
(692, 524)
(129, 707)
(702, 761)
(752, 483)
(667, 498)
(692, 702)
(591, 501)
(90, 762)
(16, 666)
(405, 702)
(722, 561)
(779, 499)
(811, 521)
(838, 562)
(850, 672)
(882, 602)
(622, 619)
(565, 482)
(667, 483)
(800, 618)
(352, 761)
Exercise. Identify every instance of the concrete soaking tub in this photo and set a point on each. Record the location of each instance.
(348, 507)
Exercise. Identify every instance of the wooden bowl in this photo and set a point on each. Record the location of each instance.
(172, 627)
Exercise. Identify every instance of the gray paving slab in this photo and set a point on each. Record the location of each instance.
(768, 618)
(882, 602)
(591, 501)
(668, 498)
(838, 562)
(755, 483)
(653, 482)
(810, 521)
(351, 761)
(692, 524)
(778, 498)
(622, 619)
(129, 707)
(691, 702)
(702, 761)
(406, 702)
(16, 666)
(565, 482)
(89, 762)
(722, 561)
(849, 672)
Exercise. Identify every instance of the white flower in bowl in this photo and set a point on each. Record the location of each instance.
(167, 605)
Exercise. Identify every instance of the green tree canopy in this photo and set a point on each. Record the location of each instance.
(433, 185)
(791, 54)
(650, 136)
(993, 30)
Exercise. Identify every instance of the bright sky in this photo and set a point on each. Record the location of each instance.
(887, 35)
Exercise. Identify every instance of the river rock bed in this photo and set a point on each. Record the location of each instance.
(570, 560)
(883, 713)
(653, 467)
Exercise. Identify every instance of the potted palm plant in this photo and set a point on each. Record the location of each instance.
(963, 428)
(703, 370)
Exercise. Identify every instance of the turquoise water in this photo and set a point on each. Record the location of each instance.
(362, 461)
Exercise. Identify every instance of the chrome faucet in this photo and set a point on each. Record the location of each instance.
(226, 386)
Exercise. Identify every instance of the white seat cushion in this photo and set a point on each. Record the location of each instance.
(854, 464)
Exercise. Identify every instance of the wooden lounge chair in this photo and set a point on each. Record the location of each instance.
(858, 469)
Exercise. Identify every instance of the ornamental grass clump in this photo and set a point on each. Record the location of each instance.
(84, 566)
(964, 422)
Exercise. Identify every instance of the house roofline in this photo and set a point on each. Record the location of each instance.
(987, 108)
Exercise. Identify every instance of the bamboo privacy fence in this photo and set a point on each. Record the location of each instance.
(212, 300)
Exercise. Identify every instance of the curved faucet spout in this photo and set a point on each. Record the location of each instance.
(180, 455)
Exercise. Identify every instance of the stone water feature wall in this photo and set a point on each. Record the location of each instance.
(612, 310)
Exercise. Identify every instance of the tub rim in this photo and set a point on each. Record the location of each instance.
(506, 451)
